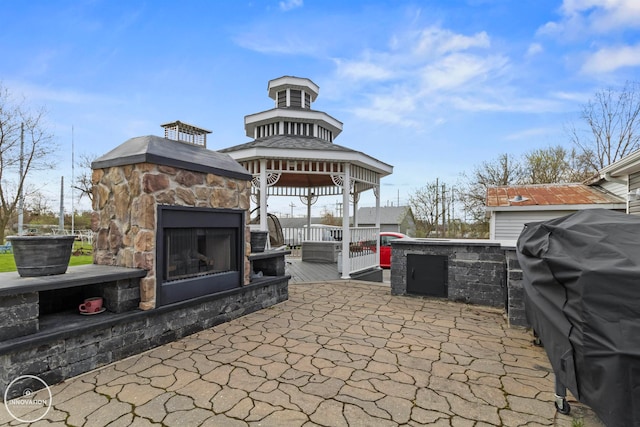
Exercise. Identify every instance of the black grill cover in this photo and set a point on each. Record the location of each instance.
(582, 297)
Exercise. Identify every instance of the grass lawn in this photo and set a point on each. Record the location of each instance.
(8, 264)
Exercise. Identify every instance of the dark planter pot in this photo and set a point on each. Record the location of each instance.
(41, 255)
(258, 241)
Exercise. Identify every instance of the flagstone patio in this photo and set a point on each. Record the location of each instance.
(340, 353)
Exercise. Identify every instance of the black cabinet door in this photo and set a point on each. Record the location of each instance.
(427, 275)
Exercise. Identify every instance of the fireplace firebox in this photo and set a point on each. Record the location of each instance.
(199, 252)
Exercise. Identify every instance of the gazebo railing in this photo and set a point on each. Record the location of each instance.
(363, 248)
(294, 236)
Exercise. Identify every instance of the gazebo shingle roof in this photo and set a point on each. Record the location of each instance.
(293, 142)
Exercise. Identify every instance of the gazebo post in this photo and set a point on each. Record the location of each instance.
(308, 215)
(355, 209)
(263, 195)
(376, 191)
(346, 234)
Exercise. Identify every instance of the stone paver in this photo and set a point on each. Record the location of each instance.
(334, 354)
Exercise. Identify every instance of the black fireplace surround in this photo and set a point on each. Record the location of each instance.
(199, 251)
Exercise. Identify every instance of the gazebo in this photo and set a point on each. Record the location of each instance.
(293, 154)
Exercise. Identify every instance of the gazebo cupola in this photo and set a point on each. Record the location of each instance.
(293, 154)
(292, 114)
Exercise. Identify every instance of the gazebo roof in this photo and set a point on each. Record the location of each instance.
(289, 142)
(297, 147)
(293, 151)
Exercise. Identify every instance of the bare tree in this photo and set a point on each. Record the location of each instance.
(23, 139)
(580, 168)
(547, 166)
(613, 120)
(505, 170)
(83, 181)
(431, 206)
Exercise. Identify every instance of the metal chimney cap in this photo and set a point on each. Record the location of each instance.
(518, 198)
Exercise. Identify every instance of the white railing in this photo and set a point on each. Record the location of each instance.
(294, 236)
(363, 248)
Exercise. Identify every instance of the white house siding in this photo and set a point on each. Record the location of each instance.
(634, 184)
(617, 188)
(509, 225)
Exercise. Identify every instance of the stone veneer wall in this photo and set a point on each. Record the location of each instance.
(125, 201)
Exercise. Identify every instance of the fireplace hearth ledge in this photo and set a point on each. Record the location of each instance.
(11, 283)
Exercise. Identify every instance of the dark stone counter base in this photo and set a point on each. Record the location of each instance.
(476, 272)
(68, 344)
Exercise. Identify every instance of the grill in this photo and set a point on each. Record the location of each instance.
(582, 293)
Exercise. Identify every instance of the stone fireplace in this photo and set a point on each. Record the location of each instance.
(175, 209)
(171, 223)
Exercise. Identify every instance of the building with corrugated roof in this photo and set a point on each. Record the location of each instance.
(511, 207)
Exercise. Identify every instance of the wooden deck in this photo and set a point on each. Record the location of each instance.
(305, 272)
(309, 272)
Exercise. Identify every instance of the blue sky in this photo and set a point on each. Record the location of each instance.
(431, 87)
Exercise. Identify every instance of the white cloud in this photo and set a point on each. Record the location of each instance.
(393, 107)
(606, 25)
(605, 15)
(421, 73)
(45, 94)
(534, 49)
(574, 97)
(261, 41)
(362, 70)
(439, 41)
(584, 17)
(530, 133)
(492, 102)
(455, 71)
(612, 58)
(290, 4)
(386, 115)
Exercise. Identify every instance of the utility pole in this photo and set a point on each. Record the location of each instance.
(291, 205)
(444, 211)
(437, 209)
(61, 222)
(452, 210)
(21, 180)
(73, 178)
